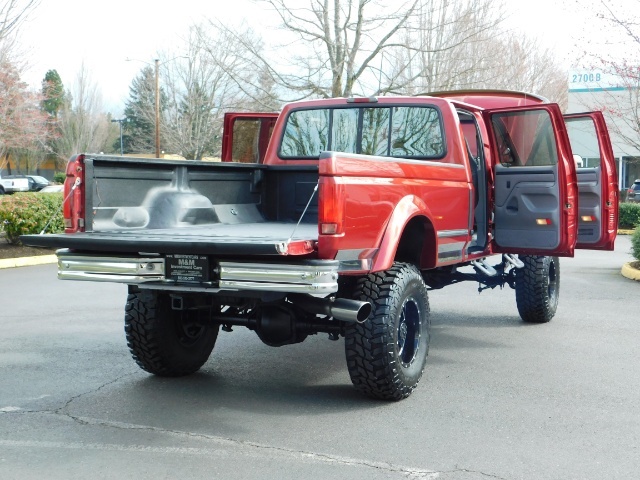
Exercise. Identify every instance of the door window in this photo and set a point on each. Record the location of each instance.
(525, 139)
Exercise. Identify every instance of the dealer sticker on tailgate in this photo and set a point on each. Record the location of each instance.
(187, 268)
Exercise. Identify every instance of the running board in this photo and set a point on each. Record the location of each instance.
(513, 260)
(484, 267)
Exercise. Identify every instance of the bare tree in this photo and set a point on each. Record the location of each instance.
(342, 47)
(12, 14)
(446, 48)
(527, 67)
(82, 124)
(622, 107)
(459, 44)
(198, 91)
(335, 43)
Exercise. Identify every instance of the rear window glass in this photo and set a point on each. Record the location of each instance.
(399, 131)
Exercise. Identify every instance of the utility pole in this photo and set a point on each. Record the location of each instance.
(157, 113)
(120, 122)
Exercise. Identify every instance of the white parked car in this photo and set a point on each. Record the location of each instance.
(13, 184)
(52, 188)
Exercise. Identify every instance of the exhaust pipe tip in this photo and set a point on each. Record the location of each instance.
(350, 310)
(341, 308)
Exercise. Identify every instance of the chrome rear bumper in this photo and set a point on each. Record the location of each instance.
(314, 277)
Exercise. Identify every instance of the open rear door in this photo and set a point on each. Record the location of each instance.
(535, 191)
(597, 181)
(246, 136)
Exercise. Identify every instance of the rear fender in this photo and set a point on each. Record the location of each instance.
(408, 209)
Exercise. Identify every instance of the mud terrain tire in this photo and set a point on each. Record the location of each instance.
(538, 288)
(386, 354)
(163, 341)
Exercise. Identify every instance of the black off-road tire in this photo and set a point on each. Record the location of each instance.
(538, 288)
(163, 341)
(386, 354)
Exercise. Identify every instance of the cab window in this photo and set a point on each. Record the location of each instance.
(397, 131)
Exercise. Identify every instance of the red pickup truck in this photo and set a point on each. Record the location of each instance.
(338, 216)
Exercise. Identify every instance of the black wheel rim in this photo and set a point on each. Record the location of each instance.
(408, 334)
(188, 330)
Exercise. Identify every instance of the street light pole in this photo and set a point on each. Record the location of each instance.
(157, 64)
(120, 122)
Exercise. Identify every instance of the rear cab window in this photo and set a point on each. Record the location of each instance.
(411, 132)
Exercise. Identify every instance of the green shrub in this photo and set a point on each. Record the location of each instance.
(59, 177)
(27, 213)
(629, 215)
(635, 243)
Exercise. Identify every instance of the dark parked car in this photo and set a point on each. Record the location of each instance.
(37, 183)
(633, 194)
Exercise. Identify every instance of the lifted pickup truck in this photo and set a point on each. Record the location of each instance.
(352, 211)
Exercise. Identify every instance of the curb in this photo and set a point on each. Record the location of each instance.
(27, 261)
(629, 272)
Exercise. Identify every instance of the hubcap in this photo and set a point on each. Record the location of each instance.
(408, 335)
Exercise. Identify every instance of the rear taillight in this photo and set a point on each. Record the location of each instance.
(73, 208)
(331, 207)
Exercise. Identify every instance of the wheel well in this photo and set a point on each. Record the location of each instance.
(417, 244)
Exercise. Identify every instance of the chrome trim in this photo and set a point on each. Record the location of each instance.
(110, 269)
(452, 233)
(363, 264)
(352, 260)
(451, 247)
(325, 289)
(448, 252)
(279, 278)
(303, 278)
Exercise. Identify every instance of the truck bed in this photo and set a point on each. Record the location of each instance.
(187, 207)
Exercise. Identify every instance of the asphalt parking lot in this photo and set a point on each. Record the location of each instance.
(499, 399)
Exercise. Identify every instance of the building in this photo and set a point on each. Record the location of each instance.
(615, 96)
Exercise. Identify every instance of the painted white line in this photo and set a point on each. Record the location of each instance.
(227, 448)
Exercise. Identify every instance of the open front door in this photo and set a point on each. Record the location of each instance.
(535, 191)
(597, 181)
(246, 135)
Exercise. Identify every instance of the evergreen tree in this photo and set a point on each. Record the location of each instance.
(138, 130)
(52, 93)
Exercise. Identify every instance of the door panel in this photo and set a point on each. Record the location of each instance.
(589, 206)
(527, 207)
(597, 181)
(535, 190)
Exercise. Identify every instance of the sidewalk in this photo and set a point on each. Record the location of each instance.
(27, 261)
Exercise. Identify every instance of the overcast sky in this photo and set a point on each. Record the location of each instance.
(62, 34)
